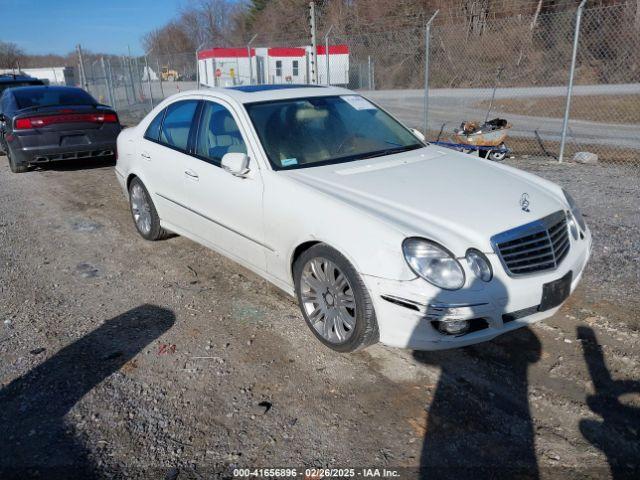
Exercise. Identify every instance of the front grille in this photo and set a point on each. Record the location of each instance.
(534, 247)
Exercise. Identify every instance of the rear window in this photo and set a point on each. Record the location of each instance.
(41, 97)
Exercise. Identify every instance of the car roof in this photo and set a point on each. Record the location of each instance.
(10, 78)
(262, 93)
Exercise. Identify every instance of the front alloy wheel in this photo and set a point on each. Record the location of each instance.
(334, 300)
(327, 298)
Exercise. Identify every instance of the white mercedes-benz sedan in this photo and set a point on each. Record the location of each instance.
(379, 236)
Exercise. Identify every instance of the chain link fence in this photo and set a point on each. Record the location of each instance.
(516, 68)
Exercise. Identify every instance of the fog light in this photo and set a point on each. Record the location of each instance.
(454, 327)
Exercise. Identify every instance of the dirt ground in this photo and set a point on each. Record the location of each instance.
(122, 358)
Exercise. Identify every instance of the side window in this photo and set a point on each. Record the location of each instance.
(218, 133)
(278, 68)
(177, 124)
(153, 130)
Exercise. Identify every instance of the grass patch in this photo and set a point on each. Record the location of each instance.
(597, 108)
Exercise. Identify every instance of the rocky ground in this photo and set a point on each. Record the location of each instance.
(125, 358)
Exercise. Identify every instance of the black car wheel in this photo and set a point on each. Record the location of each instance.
(15, 166)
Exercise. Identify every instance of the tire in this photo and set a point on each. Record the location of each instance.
(339, 327)
(143, 211)
(498, 156)
(15, 166)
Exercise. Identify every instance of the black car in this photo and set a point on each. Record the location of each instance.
(10, 80)
(41, 124)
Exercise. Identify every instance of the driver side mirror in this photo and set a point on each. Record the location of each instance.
(419, 135)
(2, 117)
(237, 164)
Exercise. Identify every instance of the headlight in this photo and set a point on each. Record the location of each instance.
(575, 211)
(434, 263)
(479, 264)
(573, 226)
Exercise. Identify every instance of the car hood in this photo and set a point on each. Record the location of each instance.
(455, 199)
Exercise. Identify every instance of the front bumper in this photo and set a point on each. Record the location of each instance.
(406, 310)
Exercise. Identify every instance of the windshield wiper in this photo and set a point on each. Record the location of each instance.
(389, 151)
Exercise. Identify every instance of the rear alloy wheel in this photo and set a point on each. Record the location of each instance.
(334, 300)
(144, 212)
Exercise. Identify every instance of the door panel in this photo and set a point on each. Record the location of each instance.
(162, 154)
(223, 209)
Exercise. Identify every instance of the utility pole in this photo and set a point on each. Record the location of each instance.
(314, 43)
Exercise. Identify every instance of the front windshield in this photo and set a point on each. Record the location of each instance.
(305, 132)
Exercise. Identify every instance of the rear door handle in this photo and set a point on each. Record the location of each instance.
(145, 155)
(191, 174)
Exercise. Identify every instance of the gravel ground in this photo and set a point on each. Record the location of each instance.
(609, 197)
(122, 358)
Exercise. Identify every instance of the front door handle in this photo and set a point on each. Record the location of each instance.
(191, 174)
(145, 155)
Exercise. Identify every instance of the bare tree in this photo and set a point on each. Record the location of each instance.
(11, 55)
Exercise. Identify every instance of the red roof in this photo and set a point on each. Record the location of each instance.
(286, 52)
(225, 53)
(334, 49)
(241, 52)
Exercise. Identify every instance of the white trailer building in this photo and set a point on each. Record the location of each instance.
(271, 65)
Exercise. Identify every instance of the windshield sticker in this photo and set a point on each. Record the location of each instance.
(358, 102)
(287, 162)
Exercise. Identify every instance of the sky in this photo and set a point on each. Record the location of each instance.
(105, 26)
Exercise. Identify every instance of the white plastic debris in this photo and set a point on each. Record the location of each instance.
(586, 158)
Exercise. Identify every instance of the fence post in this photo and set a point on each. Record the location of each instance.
(576, 38)
(106, 82)
(369, 72)
(83, 71)
(137, 70)
(148, 73)
(133, 85)
(123, 78)
(427, 38)
(114, 101)
(197, 66)
(326, 54)
(249, 56)
(160, 77)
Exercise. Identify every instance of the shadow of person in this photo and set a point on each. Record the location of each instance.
(35, 440)
(479, 424)
(618, 434)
